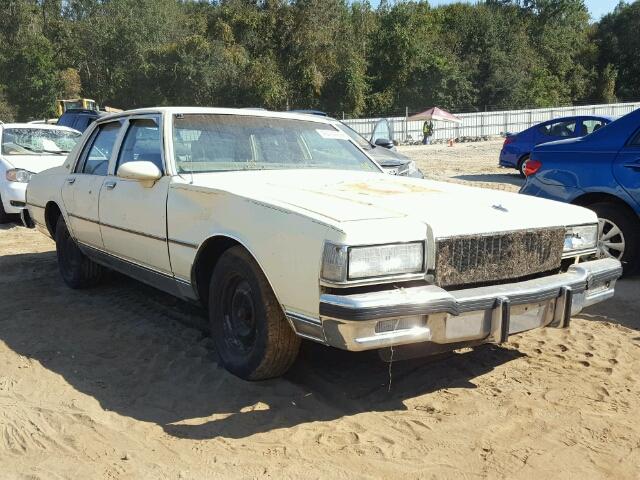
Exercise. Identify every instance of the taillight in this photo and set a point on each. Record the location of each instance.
(531, 167)
(508, 140)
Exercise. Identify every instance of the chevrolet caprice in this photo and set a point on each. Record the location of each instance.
(284, 229)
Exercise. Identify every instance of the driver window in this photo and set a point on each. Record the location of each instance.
(97, 158)
(142, 142)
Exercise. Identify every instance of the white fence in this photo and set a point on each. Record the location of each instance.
(481, 124)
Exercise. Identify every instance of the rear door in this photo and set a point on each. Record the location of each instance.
(133, 216)
(626, 168)
(81, 189)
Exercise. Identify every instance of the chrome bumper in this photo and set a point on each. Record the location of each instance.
(431, 314)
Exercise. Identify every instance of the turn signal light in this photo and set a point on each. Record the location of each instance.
(531, 167)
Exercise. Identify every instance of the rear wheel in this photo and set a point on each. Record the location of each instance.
(521, 165)
(252, 335)
(76, 269)
(618, 235)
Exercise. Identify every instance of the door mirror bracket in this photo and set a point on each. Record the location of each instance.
(143, 171)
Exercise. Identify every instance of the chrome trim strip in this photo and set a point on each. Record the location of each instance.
(183, 244)
(143, 273)
(127, 230)
(34, 205)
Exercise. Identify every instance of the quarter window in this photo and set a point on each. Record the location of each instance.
(96, 160)
(142, 143)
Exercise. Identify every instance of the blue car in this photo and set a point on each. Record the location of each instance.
(517, 147)
(602, 172)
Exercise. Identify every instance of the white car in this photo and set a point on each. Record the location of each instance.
(284, 229)
(25, 149)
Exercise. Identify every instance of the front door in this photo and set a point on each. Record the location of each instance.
(626, 168)
(81, 189)
(133, 216)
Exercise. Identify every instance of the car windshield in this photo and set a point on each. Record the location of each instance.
(355, 136)
(38, 141)
(219, 142)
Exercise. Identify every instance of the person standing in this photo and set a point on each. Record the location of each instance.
(427, 132)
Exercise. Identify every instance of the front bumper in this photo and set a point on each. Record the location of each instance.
(13, 196)
(483, 314)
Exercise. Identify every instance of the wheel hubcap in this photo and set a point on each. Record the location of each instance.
(611, 240)
(239, 315)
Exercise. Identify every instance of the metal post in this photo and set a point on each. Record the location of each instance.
(406, 124)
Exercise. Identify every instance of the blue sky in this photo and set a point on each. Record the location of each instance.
(598, 8)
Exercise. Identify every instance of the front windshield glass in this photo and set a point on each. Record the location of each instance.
(355, 136)
(38, 141)
(218, 142)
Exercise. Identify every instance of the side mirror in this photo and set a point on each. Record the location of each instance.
(142, 171)
(384, 142)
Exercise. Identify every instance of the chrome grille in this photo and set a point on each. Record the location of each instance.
(487, 258)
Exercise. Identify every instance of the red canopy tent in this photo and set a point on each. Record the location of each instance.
(435, 113)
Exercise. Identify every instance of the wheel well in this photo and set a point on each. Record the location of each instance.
(591, 198)
(523, 158)
(206, 260)
(51, 214)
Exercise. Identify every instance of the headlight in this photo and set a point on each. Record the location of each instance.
(18, 175)
(357, 263)
(584, 237)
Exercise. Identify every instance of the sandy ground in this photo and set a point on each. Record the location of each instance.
(119, 382)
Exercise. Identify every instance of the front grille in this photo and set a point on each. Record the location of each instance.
(489, 258)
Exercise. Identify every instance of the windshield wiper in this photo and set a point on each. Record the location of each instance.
(58, 152)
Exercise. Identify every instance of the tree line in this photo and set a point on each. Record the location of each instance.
(343, 57)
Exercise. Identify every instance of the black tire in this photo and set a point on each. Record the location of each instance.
(253, 338)
(4, 216)
(76, 269)
(521, 164)
(630, 233)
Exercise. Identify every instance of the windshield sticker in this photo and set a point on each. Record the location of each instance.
(332, 134)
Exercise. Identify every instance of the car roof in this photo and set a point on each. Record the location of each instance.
(573, 117)
(39, 126)
(247, 112)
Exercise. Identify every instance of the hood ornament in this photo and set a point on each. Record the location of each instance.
(500, 207)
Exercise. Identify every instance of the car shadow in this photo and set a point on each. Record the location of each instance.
(144, 355)
(510, 178)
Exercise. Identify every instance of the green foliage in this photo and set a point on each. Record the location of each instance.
(335, 55)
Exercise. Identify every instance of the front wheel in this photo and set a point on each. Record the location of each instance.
(618, 235)
(76, 269)
(252, 335)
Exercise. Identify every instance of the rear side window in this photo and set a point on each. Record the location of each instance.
(559, 129)
(95, 157)
(592, 125)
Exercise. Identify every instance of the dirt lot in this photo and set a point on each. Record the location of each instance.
(119, 382)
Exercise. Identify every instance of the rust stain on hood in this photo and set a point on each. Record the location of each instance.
(386, 188)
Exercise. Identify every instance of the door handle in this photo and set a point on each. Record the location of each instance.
(110, 185)
(633, 166)
(71, 180)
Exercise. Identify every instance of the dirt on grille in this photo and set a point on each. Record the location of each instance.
(120, 382)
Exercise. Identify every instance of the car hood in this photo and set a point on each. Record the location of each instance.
(34, 163)
(341, 197)
(388, 158)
